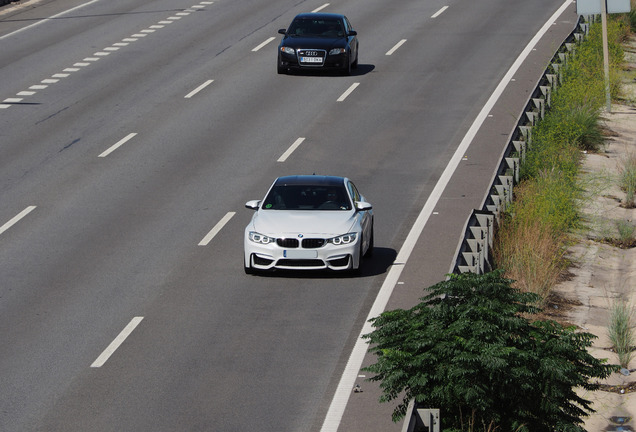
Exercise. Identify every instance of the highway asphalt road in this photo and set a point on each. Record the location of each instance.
(132, 132)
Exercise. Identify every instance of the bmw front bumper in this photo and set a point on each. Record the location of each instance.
(272, 256)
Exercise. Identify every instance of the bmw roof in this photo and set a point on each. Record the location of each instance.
(310, 180)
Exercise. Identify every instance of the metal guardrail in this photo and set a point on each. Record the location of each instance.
(473, 254)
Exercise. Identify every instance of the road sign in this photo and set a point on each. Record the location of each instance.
(594, 7)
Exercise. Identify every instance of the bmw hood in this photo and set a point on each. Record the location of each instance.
(285, 223)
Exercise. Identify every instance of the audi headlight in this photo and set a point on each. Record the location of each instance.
(344, 239)
(288, 50)
(336, 51)
(260, 238)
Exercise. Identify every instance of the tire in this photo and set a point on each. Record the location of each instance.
(346, 70)
(248, 269)
(354, 65)
(369, 252)
(279, 66)
(357, 271)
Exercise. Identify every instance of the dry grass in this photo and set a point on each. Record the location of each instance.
(530, 254)
(627, 176)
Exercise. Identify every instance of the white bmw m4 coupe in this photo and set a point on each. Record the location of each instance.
(309, 222)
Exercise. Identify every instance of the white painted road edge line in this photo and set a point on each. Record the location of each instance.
(103, 357)
(397, 45)
(320, 8)
(439, 12)
(290, 150)
(198, 89)
(48, 19)
(348, 92)
(347, 381)
(118, 144)
(16, 218)
(218, 227)
(263, 44)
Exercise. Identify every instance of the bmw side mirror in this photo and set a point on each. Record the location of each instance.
(363, 206)
(353, 33)
(282, 31)
(253, 204)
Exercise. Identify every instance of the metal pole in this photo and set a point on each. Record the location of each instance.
(606, 55)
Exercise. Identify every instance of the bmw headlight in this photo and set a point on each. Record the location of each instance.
(343, 239)
(260, 238)
(336, 51)
(287, 50)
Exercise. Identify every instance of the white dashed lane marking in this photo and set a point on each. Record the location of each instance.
(218, 227)
(348, 92)
(198, 89)
(14, 220)
(104, 356)
(395, 48)
(118, 144)
(104, 52)
(263, 44)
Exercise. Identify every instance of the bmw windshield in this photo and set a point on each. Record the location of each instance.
(300, 197)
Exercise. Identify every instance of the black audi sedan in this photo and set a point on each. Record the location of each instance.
(318, 41)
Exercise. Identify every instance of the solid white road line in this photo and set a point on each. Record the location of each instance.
(16, 218)
(104, 356)
(47, 19)
(118, 144)
(214, 231)
(439, 12)
(263, 44)
(348, 92)
(198, 89)
(347, 380)
(397, 45)
(290, 150)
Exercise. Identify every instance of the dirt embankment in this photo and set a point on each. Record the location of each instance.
(604, 272)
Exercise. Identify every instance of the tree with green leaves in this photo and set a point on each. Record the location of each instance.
(470, 349)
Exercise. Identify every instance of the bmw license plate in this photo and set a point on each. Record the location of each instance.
(300, 254)
(311, 59)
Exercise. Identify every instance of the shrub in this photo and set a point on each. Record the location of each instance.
(468, 348)
(620, 331)
(627, 179)
(625, 233)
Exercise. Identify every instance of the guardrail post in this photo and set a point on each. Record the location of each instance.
(430, 418)
(553, 80)
(531, 115)
(539, 104)
(515, 165)
(547, 94)
(505, 190)
(526, 132)
(520, 147)
(495, 207)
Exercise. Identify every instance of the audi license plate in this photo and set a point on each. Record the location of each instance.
(311, 59)
(300, 254)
